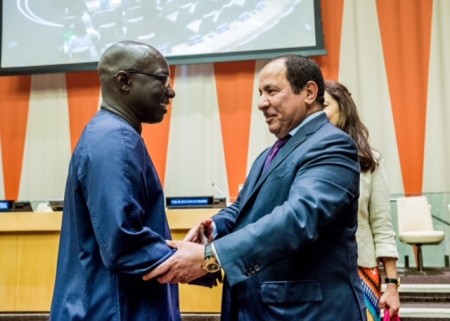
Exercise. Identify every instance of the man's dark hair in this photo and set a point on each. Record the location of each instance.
(300, 70)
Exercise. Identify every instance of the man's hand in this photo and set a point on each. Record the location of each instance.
(182, 267)
(202, 233)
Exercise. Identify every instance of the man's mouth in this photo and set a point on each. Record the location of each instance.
(164, 106)
(269, 117)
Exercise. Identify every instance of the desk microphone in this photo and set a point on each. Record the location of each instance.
(222, 194)
(221, 201)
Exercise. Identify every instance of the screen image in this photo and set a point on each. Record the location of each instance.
(65, 35)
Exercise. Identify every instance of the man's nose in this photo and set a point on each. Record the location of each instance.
(263, 103)
(170, 92)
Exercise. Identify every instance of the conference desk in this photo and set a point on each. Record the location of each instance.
(28, 254)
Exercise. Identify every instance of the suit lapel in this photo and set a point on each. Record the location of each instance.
(253, 177)
(256, 178)
(302, 134)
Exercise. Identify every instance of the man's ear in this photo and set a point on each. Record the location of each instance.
(311, 90)
(123, 80)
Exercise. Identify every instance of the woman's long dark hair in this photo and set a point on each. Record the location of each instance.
(350, 123)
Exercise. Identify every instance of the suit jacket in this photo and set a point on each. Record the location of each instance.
(292, 253)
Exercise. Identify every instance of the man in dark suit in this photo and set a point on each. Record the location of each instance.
(287, 245)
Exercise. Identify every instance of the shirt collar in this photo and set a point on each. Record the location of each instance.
(305, 121)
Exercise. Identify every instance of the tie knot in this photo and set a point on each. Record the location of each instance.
(281, 142)
(275, 149)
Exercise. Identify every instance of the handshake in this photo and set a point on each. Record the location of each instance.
(193, 261)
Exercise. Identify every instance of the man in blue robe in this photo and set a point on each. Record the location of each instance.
(114, 226)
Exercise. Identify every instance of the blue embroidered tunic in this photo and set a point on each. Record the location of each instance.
(113, 230)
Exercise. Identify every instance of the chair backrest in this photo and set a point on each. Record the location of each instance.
(414, 214)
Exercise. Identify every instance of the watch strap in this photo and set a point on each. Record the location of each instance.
(392, 280)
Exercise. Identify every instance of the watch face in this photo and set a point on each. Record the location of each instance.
(211, 265)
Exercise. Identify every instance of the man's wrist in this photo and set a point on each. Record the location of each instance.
(211, 264)
(213, 250)
(395, 281)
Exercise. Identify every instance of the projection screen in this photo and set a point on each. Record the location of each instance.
(42, 36)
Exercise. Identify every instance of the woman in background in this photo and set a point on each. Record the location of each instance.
(375, 235)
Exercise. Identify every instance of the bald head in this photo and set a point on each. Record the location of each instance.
(135, 82)
(125, 55)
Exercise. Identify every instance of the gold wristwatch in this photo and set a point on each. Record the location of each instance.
(211, 265)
